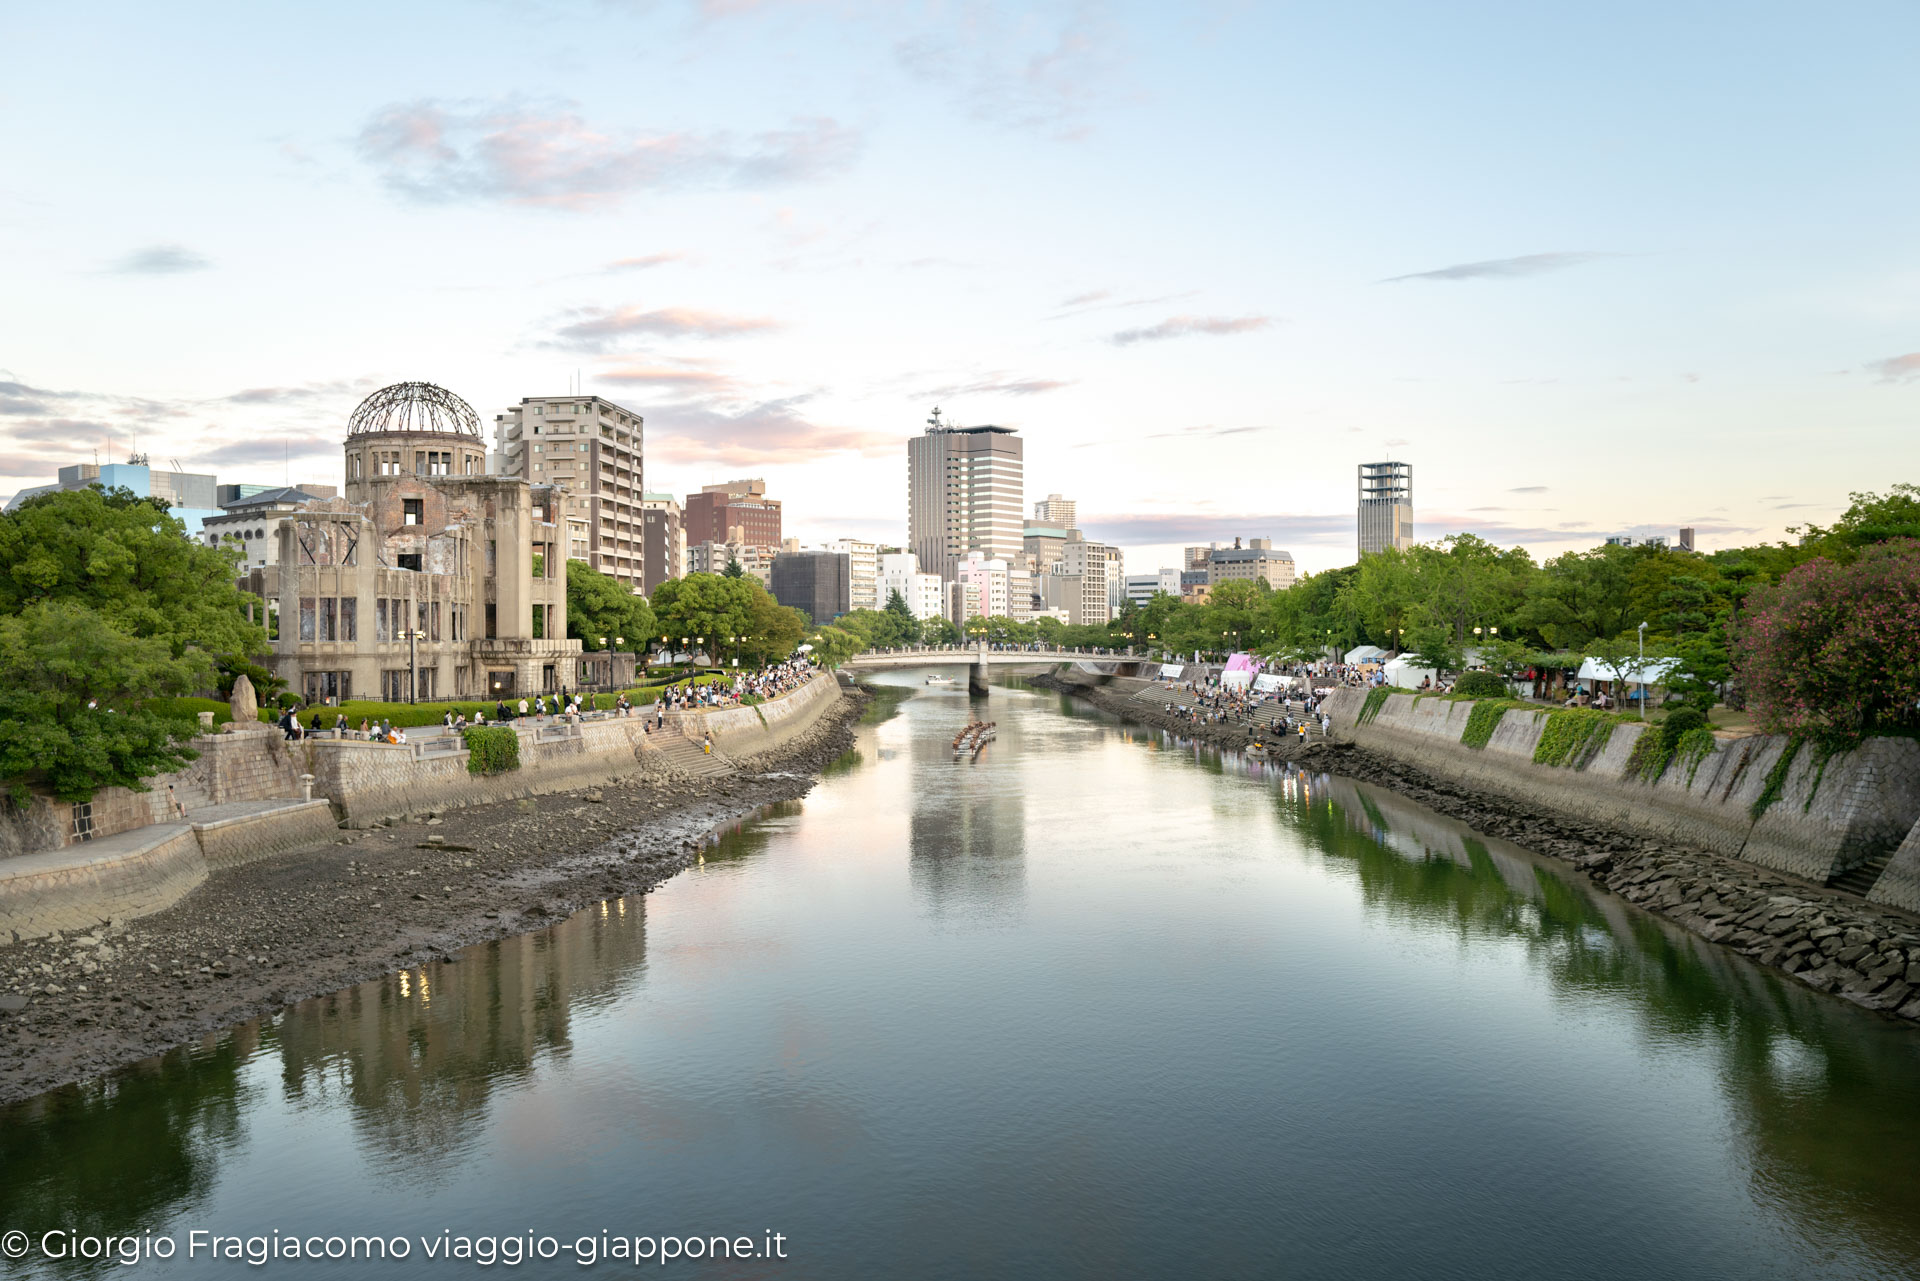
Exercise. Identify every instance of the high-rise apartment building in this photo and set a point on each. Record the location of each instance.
(1043, 544)
(964, 487)
(592, 448)
(1055, 510)
(863, 572)
(1386, 507)
(717, 511)
(663, 542)
(1096, 565)
(900, 572)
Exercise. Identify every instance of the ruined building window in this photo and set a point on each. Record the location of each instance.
(492, 619)
(490, 557)
(420, 623)
(411, 511)
(349, 619)
(380, 631)
(306, 618)
(409, 560)
(433, 621)
(329, 618)
(386, 462)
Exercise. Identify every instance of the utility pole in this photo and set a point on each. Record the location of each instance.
(1642, 673)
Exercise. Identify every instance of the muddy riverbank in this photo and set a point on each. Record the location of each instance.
(256, 938)
(1832, 941)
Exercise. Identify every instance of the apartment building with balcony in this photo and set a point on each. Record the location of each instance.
(592, 448)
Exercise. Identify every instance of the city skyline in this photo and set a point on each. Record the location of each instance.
(1577, 315)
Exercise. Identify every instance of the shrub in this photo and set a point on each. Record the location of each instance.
(1482, 721)
(492, 749)
(1573, 737)
(1834, 650)
(1694, 746)
(1678, 724)
(189, 709)
(1481, 685)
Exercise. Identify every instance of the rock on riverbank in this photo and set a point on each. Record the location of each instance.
(261, 936)
(1833, 941)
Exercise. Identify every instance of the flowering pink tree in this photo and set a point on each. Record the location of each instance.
(1834, 649)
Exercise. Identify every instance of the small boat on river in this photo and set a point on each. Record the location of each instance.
(939, 680)
(975, 736)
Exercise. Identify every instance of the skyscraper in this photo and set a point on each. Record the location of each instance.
(1386, 506)
(964, 493)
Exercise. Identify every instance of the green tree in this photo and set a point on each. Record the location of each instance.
(706, 606)
(905, 625)
(105, 603)
(939, 630)
(734, 569)
(833, 646)
(599, 605)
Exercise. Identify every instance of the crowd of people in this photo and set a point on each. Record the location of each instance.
(1212, 703)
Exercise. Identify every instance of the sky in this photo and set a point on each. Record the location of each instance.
(1590, 270)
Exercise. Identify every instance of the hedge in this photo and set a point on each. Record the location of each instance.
(492, 749)
(413, 714)
(189, 709)
(1574, 736)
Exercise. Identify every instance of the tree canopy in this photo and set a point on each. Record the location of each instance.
(598, 605)
(104, 604)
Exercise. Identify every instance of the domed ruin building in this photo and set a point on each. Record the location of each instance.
(429, 578)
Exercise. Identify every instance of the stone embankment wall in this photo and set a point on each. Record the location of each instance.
(144, 871)
(371, 782)
(1827, 815)
(250, 764)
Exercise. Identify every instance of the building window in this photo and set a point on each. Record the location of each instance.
(409, 560)
(380, 631)
(433, 621)
(492, 620)
(329, 618)
(411, 511)
(306, 618)
(349, 619)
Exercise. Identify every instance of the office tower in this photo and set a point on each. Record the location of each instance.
(1686, 538)
(592, 448)
(715, 514)
(964, 487)
(816, 582)
(1055, 510)
(1257, 560)
(900, 572)
(1386, 506)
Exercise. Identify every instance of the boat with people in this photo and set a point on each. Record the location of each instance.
(976, 735)
(939, 680)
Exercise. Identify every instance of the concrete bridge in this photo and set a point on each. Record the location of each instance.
(979, 658)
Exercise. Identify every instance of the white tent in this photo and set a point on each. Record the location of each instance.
(1407, 675)
(1653, 672)
(1365, 654)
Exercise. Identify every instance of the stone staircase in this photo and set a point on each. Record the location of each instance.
(1862, 877)
(684, 756)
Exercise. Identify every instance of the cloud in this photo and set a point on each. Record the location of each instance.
(645, 262)
(1082, 300)
(1504, 268)
(1186, 326)
(996, 385)
(1022, 69)
(754, 434)
(1101, 300)
(1528, 489)
(600, 329)
(258, 450)
(547, 155)
(1199, 527)
(160, 260)
(1896, 369)
(678, 378)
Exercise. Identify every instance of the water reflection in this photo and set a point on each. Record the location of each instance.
(421, 1071)
(967, 825)
(1827, 1099)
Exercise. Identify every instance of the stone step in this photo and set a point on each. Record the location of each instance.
(1861, 878)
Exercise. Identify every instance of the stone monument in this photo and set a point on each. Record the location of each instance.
(245, 708)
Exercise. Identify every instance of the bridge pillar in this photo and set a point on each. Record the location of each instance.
(977, 673)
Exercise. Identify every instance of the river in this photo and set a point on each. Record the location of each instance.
(1090, 1004)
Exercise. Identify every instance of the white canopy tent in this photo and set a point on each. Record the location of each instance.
(1407, 674)
(1365, 654)
(1653, 672)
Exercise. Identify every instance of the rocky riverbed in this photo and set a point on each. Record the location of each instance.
(258, 937)
(1832, 941)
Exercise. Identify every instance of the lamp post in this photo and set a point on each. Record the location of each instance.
(1642, 673)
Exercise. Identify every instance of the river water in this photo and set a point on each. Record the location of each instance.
(1092, 1004)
